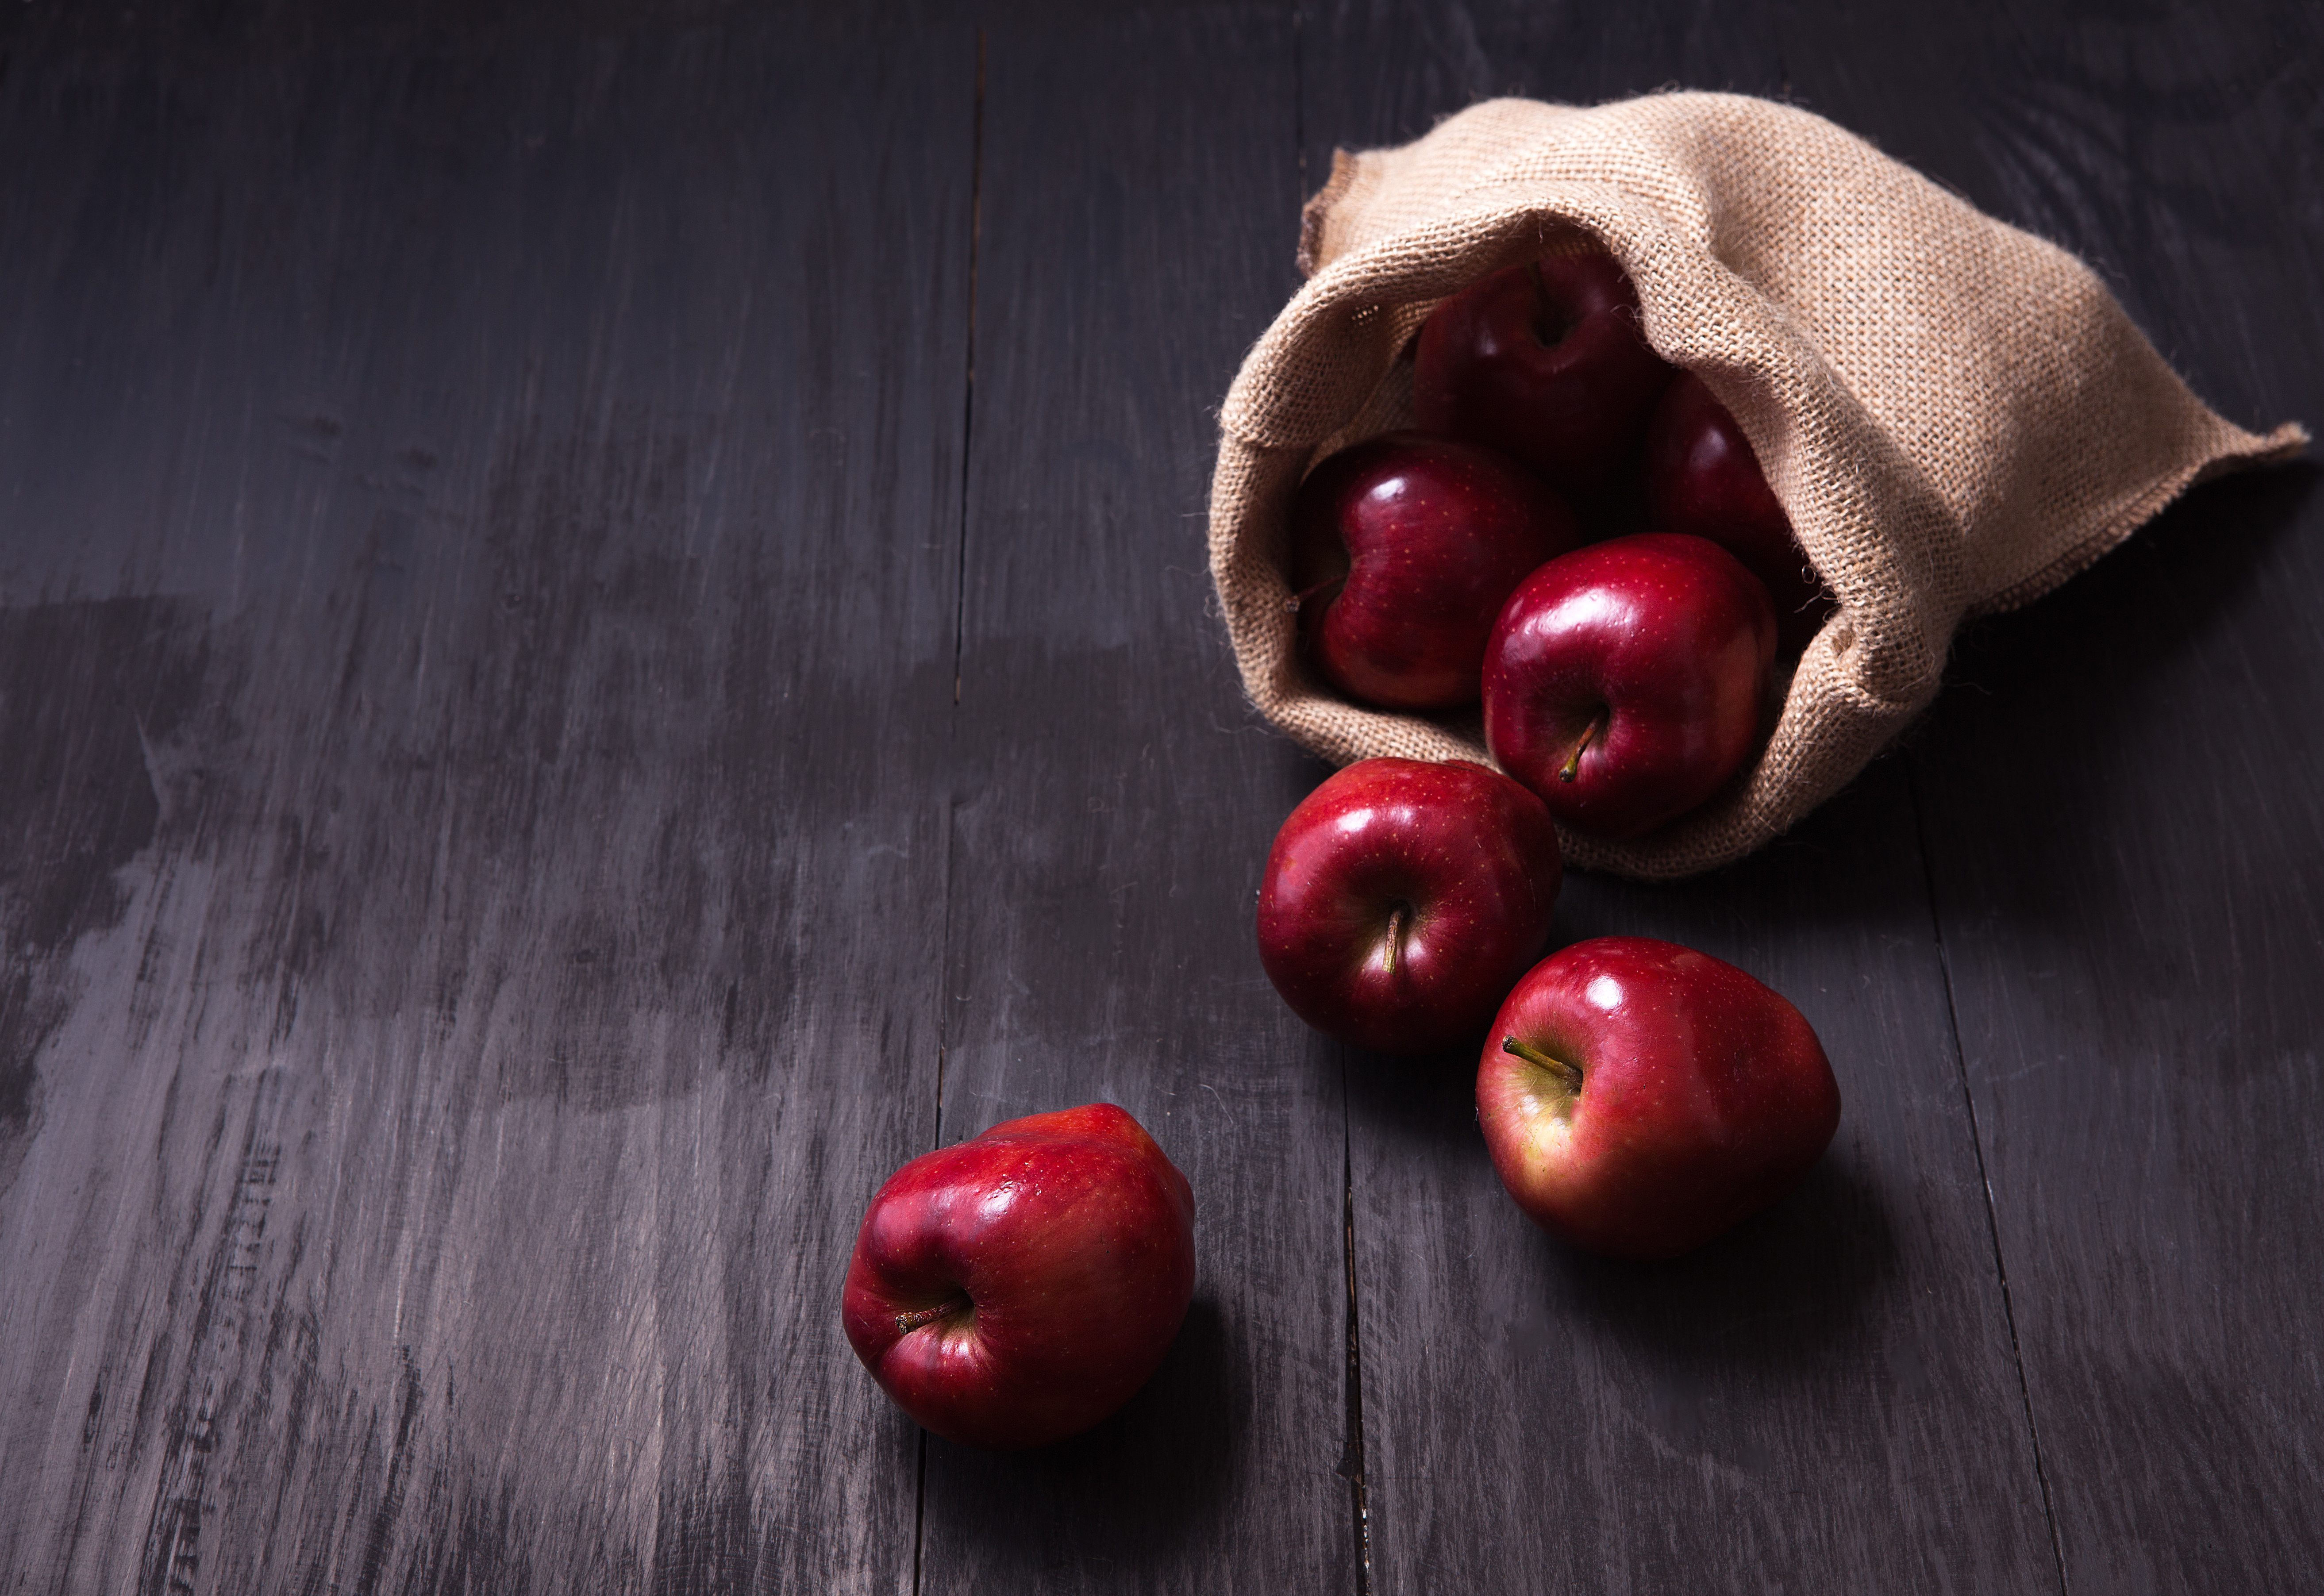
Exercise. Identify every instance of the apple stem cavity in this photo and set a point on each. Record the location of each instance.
(1550, 326)
(907, 1322)
(1570, 1074)
(1595, 729)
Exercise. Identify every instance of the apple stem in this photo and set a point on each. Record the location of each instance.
(1596, 728)
(907, 1322)
(1397, 919)
(1568, 1072)
(1292, 603)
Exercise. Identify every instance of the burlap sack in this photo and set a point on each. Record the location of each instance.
(1957, 415)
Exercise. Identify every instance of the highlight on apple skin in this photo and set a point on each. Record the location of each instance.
(1544, 361)
(1404, 548)
(1403, 897)
(1016, 1288)
(1626, 680)
(1640, 1098)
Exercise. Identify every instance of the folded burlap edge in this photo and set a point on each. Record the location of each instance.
(2277, 446)
(1844, 701)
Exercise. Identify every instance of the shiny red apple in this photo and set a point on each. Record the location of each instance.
(1014, 1289)
(1404, 548)
(1702, 479)
(1625, 681)
(1640, 1098)
(1402, 898)
(1544, 362)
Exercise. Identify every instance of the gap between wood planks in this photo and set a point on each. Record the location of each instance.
(1352, 1453)
(959, 643)
(1983, 1182)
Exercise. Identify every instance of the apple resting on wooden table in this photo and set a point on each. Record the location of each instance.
(1014, 1289)
(1640, 1098)
(1402, 898)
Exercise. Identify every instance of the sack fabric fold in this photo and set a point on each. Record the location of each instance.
(1955, 415)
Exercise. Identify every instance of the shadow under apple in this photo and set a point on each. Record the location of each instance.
(1428, 1098)
(1131, 1492)
(1784, 1290)
(1788, 1312)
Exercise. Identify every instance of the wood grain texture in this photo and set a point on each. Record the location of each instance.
(2127, 847)
(604, 635)
(1136, 215)
(479, 584)
(1828, 1399)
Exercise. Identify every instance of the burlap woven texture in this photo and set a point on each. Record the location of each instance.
(1957, 415)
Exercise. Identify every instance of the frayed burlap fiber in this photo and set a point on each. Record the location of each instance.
(1957, 415)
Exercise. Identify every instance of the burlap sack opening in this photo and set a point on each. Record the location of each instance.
(1957, 415)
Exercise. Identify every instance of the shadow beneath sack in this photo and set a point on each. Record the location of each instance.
(2120, 691)
(2118, 786)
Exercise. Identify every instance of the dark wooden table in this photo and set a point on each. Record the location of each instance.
(604, 635)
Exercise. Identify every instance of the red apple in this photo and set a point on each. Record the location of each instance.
(1639, 1097)
(1544, 362)
(1402, 898)
(1014, 1289)
(1702, 479)
(1404, 548)
(1624, 681)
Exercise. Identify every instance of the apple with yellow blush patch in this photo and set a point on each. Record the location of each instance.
(1640, 1098)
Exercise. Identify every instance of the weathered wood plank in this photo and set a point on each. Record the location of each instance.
(2128, 853)
(1136, 210)
(480, 579)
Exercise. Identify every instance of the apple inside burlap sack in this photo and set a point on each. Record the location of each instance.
(1957, 415)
